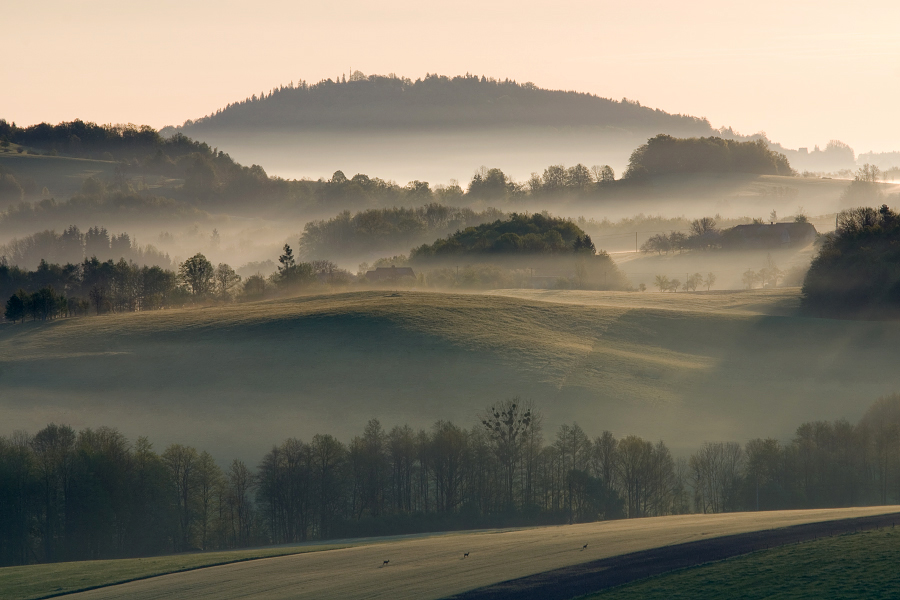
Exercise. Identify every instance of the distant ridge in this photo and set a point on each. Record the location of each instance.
(436, 102)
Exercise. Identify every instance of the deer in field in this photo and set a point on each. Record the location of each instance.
(583, 548)
(466, 555)
(384, 564)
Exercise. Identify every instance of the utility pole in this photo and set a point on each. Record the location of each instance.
(635, 242)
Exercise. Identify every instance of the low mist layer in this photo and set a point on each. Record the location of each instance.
(681, 367)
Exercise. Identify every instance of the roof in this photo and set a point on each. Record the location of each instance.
(769, 235)
(391, 272)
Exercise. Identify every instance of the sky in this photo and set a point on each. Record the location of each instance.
(802, 71)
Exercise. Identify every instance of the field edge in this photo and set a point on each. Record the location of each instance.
(585, 580)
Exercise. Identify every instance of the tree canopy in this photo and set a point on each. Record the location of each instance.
(93, 494)
(667, 155)
(433, 102)
(518, 234)
(857, 270)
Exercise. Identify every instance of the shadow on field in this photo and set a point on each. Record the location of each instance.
(596, 576)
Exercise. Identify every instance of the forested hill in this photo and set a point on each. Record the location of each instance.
(433, 103)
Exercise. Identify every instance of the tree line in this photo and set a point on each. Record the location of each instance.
(856, 272)
(354, 100)
(380, 229)
(72, 246)
(113, 204)
(537, 233)
(186, 174)
(93, 494)
(54, 290)
(666, 155)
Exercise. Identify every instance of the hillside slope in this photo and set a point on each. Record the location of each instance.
(434, 567)
(435, 102)
(236, 379)
(433, 129)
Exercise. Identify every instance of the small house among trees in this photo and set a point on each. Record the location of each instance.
(391, 273)
(768, 235)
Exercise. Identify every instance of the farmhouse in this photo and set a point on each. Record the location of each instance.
(768, 235)
(391, 273)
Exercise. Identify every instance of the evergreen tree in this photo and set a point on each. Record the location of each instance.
(15, 308)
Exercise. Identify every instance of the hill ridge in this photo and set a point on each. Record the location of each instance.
(390, 102)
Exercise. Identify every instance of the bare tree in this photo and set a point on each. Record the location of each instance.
(716, 470)
(506, 423)
(182, 463)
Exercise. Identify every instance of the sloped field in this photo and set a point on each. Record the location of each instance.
(861, 566)
(424, 568)
(236, 379)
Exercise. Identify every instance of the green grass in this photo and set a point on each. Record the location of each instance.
(61, 175)
(42, 581)
(679, 367)
(863, 566)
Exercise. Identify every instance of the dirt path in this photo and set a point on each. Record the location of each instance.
(435, 567)
(587, 578)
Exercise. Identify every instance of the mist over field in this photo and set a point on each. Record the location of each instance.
(380, 306)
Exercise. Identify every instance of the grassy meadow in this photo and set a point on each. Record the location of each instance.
(62, 176)
(236, 379)
(855, 566)
(432, 567)
(56, 579)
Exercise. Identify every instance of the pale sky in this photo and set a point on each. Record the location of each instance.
(803, 71)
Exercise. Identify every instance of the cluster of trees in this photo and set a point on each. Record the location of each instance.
(382, 229)
(13, 188)
(54, 290)
(486, 185)
(703, 234)
(435, 101)
(93, 494)
(865, 189)
(204, 172)
(186, 175)
(44, 304)
(666, 155)
(556, 182)
(690, 284)
(825, 464)
(111, 205)
(72, 246)
(537, 233)
(768, 276)
(857, 269)
(362, 190)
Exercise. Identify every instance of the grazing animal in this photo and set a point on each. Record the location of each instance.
(385, 563)
(466, 555)
(584, 547)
